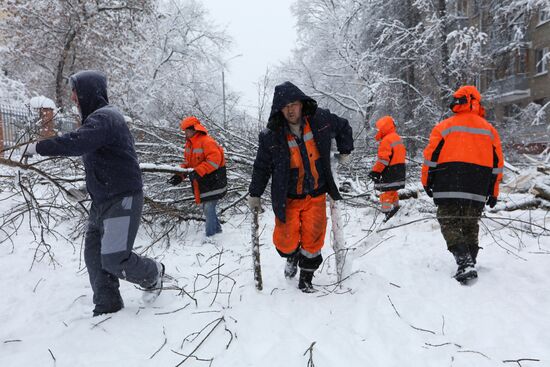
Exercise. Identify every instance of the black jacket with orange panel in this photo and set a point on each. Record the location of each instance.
(463, 161)
(273, 159)
(391, 157)
(206, 157)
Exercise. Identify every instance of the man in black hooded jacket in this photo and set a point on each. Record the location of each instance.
(294, 151)
(113, 179)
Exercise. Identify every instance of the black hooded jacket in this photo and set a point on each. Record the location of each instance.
(104, 141)
(273, 156)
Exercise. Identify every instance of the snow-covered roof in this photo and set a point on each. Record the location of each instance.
(42, 102)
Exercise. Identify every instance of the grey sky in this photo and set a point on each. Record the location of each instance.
(263, 32)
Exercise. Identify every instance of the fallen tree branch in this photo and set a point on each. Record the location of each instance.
(203, 340)
(163, 344)
(520, 360)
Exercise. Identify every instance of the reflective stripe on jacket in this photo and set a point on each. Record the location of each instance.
(206, 157)
(306, 173)
(463, 160)
(391, 157)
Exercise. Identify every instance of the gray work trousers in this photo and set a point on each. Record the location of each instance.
(112, 229)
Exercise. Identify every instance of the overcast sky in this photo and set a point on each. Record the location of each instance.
(263, 32)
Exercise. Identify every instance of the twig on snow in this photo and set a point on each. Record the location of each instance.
(101, 322)
(219, 321)
(411, 325)
(169, 312)
(520, 360)
(310, 350)
(163, 344)
(53, 357)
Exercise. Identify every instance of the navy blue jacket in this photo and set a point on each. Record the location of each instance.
(273, 156)
(104, 142)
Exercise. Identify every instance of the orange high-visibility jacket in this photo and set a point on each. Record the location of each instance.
(306, 172)
(391, 156)
(206, 157)
(463, 160)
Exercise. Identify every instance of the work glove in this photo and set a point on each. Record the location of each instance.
(254, 203)
(343, 159)
(491, 201)
(429, 191)
(175, 180)
(30, 150)
(193, 175)
(375, 176)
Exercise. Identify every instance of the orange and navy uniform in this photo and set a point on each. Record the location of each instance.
(306, 172)
(300, 173)
(391, 157)
(390, 163)
(306, 200)
(463, 161)
(206, 157)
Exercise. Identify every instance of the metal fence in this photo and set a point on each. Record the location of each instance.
(19, 123)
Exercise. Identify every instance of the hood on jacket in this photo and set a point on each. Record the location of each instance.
(91, 90)
(193, 122)
(467, 99)
(384, 125)
(284, 94)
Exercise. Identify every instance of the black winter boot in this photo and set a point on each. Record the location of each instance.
(391, 213)
(152, 292)
(291, 267)
(98, 312)
(474, 249)
(466, 266)
(304, 284)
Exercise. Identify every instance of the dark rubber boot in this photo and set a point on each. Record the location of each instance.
(474, 249)
(304, 284)
(291, 267)
(391, 213)
(466, 266)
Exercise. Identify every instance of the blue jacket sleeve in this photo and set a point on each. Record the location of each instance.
(342, 132)
(262, 168)
(91, 136)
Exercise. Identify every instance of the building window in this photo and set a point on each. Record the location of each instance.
(521, 61)
(544, 16)
(462, 8)
(541, 60)
(475, 7)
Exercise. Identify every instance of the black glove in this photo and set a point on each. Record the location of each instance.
(175, 180)
(193, 175)
(491, 201)
(429, 191)
(375, 176)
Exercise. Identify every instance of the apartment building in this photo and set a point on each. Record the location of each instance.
(519, 71)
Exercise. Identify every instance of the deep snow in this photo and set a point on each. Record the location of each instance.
(400, 306)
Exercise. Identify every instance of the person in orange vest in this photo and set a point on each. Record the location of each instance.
(294, 151)
(388, 173)
(209, 177)
(462, 171)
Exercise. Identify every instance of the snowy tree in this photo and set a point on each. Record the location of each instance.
(49, 40)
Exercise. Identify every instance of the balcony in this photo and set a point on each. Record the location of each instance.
(509, 89)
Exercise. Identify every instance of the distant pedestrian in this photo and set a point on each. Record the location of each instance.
(462, 170)
(113, 179)
(388, 173)
(209, 178)
(294, 151)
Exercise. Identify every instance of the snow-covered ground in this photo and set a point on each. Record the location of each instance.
(400, 307)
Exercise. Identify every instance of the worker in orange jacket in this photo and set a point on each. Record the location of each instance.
(462, 170)
(208, 179)
(388, 173)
